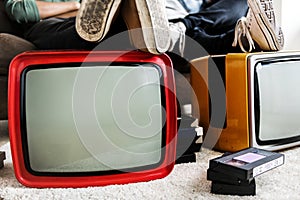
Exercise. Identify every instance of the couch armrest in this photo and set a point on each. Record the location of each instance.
(11, 46)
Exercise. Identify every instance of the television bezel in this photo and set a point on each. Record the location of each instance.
(252, 62)
(38, 58)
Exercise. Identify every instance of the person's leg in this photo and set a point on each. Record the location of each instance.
(214, 44)
(56, 33)
(249, 23)
(213, 27)
(219, 17)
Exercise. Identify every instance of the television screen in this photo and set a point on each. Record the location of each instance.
(91, 118)
(248, 100)
(276, 100)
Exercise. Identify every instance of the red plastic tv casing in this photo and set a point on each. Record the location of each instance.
(20, 62)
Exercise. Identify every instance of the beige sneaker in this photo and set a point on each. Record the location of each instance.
(94, 18)
(259, 25)
(148, 25)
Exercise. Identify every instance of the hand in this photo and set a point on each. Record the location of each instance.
(54, 9)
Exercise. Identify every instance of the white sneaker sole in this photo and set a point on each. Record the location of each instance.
(157, 22)
(151, 20)
(94, 18)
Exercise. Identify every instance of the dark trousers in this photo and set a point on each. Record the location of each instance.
(56, 33)
(213, 27)
(60, 33)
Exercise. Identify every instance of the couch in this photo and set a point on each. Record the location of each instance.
(10, 45)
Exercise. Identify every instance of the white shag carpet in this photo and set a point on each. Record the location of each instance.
(186, 181)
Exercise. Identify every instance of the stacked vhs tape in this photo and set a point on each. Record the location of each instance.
(2, 158)
(234, 174)
(189, 139)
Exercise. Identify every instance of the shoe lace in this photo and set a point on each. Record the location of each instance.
(177, 34)
(241, 30)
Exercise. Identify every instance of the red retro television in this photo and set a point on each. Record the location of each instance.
(248, 99)
(79, 118)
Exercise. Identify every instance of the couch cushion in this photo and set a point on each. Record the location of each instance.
(3, 97)
(6, 25)
(11, 46)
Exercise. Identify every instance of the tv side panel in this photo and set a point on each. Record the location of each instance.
(233, 134)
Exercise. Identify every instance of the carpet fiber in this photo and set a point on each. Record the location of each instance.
(186, 181)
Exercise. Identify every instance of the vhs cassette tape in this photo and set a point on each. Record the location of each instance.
(228, 189)
(247, 164)
(189, 139)
(2, 158)
(225, 178)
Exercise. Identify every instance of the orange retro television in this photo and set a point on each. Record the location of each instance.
(79, 118)
(257, 104)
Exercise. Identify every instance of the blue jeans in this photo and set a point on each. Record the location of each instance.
(213, 26)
